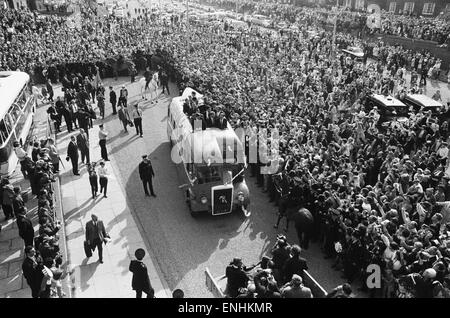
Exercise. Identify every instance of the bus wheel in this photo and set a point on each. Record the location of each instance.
(194, 214)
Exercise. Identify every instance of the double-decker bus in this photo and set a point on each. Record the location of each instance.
(17, 107)
(212, 163)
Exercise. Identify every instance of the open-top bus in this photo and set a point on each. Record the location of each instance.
(17, 107)
(213, 163)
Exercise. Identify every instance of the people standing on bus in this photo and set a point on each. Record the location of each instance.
(93, 179)
(21, 154)
(146, 173)
(113, 99)
(83, 145)
(137, 118)
(102, 134)
(53, 154)
(72, 154)
(55, 116)
(7, 191)
(123, 117)
(49, 88)
(123, 96)
(103, 178)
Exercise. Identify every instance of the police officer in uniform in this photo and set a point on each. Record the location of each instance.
(146, 173)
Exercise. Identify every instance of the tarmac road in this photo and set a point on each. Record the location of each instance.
(184, 246)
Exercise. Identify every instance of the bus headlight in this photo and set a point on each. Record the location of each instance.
(204, 200)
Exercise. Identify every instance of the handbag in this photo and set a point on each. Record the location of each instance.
(130, 123)
(87, 249)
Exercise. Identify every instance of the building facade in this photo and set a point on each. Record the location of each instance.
(430, 8)
(14, 4)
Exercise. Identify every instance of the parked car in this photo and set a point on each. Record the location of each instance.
(389, 108)
(282, 25)
(355, 52)
(420, 101)
(261, 20)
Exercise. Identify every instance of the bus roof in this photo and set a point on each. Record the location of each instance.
(387, 100)
(423, 100)
(11, 84)
(202, 143)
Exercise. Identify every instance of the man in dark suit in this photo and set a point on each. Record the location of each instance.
(123, 96)
(113, 99)
(95, 235)
(72, 153)
(211, 119)
(26, 231)
(140, 282)
(32, 270)
(221, 122)
(164, 82)
(83, 145)
(146, 173)
(294, 265)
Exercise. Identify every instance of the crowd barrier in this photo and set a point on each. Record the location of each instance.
(217, 285)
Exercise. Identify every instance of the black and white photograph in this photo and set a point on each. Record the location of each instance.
(239, 151)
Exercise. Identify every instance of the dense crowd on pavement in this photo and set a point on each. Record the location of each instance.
(42, 264)
(378, 194)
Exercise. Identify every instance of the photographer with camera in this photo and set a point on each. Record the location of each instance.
(280, 254)
(295, 265)
(237, 277)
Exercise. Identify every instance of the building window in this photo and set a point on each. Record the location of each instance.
(359, 5)
(392, 7)
(409, 7)
(428, 8)
(348, 3)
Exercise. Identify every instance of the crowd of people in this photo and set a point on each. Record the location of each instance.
(378, 195)
(421, 28)
(280, 276)
(42, 264)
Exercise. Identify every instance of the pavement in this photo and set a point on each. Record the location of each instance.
(12, 282)
(112, 279)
